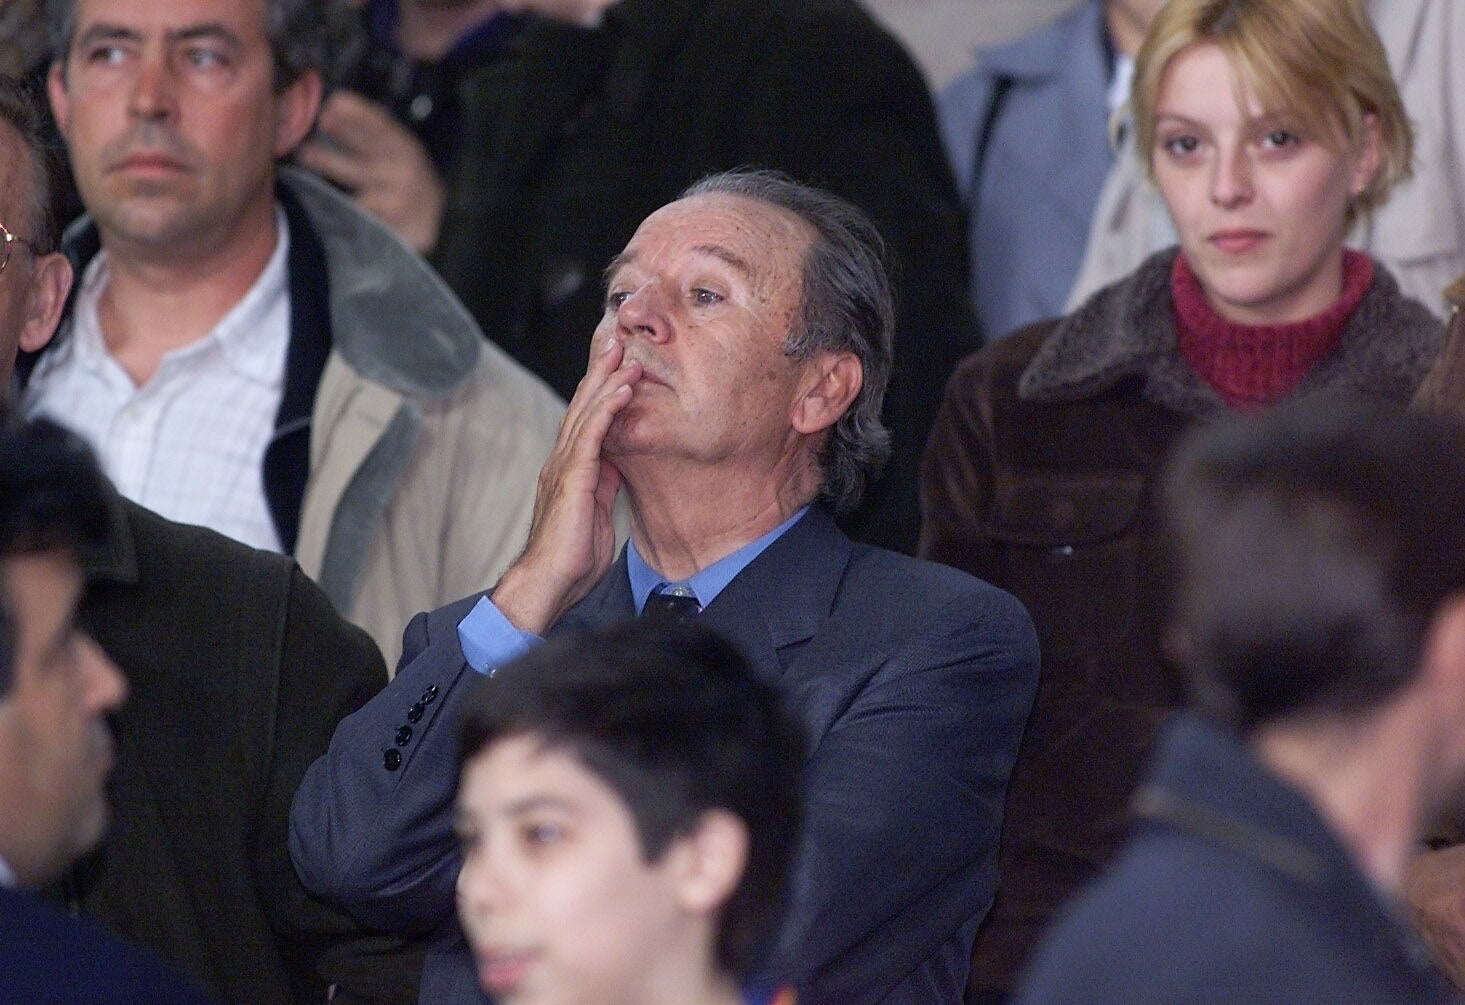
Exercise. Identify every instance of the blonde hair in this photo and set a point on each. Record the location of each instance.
(1310, 57)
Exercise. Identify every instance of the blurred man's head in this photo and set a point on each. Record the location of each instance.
(34, 279)
(627, 809)
(56, 686)
(1320, 547)
(175, 111)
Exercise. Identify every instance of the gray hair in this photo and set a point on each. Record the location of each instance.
(18, 110)
(846, 305)
(296, 29)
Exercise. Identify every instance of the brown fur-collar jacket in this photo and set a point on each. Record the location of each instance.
(1040, 477)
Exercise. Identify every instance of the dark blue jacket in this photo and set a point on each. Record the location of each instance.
(47, 958)
(1230, 889)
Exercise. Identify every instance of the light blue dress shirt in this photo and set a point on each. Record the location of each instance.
(488, 640)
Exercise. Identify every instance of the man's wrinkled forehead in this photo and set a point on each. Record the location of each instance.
(762, 242)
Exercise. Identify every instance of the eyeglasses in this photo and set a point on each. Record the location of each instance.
(10, 240)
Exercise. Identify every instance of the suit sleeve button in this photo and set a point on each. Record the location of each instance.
(403, 735)
(391, 759)
(429, 694)
(415, 712)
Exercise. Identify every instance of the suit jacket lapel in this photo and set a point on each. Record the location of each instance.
(785, 594)
(769, 609)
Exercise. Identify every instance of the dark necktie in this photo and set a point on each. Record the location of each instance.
(676, 602)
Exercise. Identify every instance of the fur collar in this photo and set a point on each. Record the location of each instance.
(1127, 330)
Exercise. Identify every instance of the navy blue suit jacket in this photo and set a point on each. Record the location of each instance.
(913, 681)
(47, 958)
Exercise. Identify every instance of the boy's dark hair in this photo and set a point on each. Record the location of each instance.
(52, 495)
(671, 718)
(1315, 546)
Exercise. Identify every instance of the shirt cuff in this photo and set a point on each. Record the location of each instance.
(488, 640)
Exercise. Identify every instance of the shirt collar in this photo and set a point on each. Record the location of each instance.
(238, 335)
(241, 332)
(706, 583)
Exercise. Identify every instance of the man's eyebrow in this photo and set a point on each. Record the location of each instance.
(623, 259)
(719, 252)
(104, 32)
(212, 30)
(714, 250)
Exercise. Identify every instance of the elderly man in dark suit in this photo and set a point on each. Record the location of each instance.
(734, 393)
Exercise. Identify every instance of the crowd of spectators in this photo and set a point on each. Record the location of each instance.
(655, 501)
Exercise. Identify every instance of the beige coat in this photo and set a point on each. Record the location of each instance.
(422, 475)
(458, 512)
(1419, 234)
(425, 439)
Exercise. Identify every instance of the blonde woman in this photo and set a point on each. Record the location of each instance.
(1419, 235)
(1268, 127)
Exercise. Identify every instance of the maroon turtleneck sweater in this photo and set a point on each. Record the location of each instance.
(1252, 366)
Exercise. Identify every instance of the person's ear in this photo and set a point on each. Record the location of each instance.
(710, 861)
(831, 384)
(49, 286)
(296, 108)
(1370, 155)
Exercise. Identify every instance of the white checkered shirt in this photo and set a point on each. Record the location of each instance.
(190, 442)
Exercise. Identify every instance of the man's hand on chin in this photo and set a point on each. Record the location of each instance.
(572, 534)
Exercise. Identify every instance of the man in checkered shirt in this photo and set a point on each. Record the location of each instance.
(250, 352)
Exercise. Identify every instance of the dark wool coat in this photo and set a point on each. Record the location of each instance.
(572, 137)
(1040, 477)
(238, 670)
